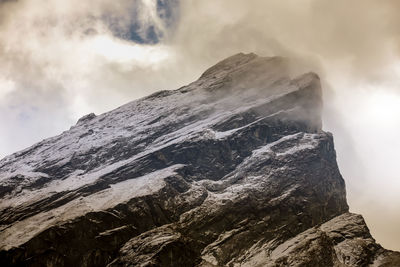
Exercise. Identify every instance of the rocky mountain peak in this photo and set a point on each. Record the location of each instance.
(229, 64)
(86, 118)
(233, 169)
(246, 71)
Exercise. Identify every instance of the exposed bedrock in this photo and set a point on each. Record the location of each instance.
(233, 169)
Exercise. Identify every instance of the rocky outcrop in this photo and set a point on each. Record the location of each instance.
(231, 170)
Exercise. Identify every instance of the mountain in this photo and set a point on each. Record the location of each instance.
(233, 169)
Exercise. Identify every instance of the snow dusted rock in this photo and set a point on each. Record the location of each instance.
(231, 170)
(343, 241)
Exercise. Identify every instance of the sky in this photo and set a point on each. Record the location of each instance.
(60, 60)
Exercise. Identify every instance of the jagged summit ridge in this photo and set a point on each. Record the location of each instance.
(224, 171)
(93, 132)
(229, 64)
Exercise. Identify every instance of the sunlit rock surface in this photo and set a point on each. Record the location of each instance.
(231, 170)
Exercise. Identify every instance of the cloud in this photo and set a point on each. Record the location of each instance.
(60, 60)
(68, 58)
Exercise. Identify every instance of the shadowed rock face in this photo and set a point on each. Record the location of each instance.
(231, 170)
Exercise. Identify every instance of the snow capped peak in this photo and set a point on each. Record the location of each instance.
(238, 154)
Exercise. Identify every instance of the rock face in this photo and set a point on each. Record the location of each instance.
(231, 170)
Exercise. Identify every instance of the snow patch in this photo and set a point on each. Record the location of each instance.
(22, 231)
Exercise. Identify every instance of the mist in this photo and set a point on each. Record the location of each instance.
(60, 60)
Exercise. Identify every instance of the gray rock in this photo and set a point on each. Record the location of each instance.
(231, 170)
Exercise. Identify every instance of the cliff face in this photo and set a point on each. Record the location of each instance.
(231, 170)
